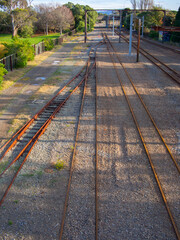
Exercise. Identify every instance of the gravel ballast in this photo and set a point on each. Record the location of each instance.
(129, 202)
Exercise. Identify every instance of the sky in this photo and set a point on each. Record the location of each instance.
(112, 4)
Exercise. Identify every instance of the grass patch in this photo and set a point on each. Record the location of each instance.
(39, 173)
(3, 166)
(28, 174)
(57, 72)
(72, 147)
(10, 223)
(16, 123)
(59, 165)
(5, 38)
(52, 182)
(16, 168)
(33, 40)
(16, 201)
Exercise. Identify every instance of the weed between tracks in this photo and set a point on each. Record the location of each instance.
(3, 165)
(59, 165)
(10, 223)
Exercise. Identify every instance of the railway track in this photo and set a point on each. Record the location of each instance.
(164, 67)
(157, 44)
(16, 151)
(175, 170)
(72, 167)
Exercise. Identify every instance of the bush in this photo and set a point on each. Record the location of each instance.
(3, 71)
(26, 31)
(23, 49)
(49, 44)
(154, 34)
(81, 26)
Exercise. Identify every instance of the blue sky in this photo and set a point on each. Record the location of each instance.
(110, 4)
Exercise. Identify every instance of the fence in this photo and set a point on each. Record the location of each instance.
(10, 61)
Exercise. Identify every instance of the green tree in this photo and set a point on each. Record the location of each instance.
(152, 18)
(176, 35)
(21, 14)
(5, 22)
(170, 18)
(79, 15)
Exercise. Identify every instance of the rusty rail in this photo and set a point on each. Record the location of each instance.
(141, 137)
(164, 67)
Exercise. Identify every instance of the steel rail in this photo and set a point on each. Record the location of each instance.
(42, 129)
(96, 160)
(146, 150)
(28, 123)
(33, 141)
(73, 157)
(155, 43)
(146, 108)
(145, 53)
(161, 46)
(21, 131)
(165, 65)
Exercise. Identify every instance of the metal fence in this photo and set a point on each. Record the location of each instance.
(10, 61)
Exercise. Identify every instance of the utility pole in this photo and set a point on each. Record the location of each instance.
(130, 36)
(85, 36)
(142, 27)
(113, 25)
(89, 24)
(138, 44)
(120, 25)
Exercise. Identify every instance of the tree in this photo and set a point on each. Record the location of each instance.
(176, 35)
(45, 16)
(152, 18)
(79, 15)
(5, 22)
(63, 18)
(134, 4)
(145, 4)
(170, 18)
(177, 19)
(21, 14)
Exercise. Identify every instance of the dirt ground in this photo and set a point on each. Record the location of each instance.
(130, 204)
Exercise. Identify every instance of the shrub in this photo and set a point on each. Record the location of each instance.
(49, 44)
(26, 31)
(81, 26)
(153, 34)
(3, 71)
(23, 49)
